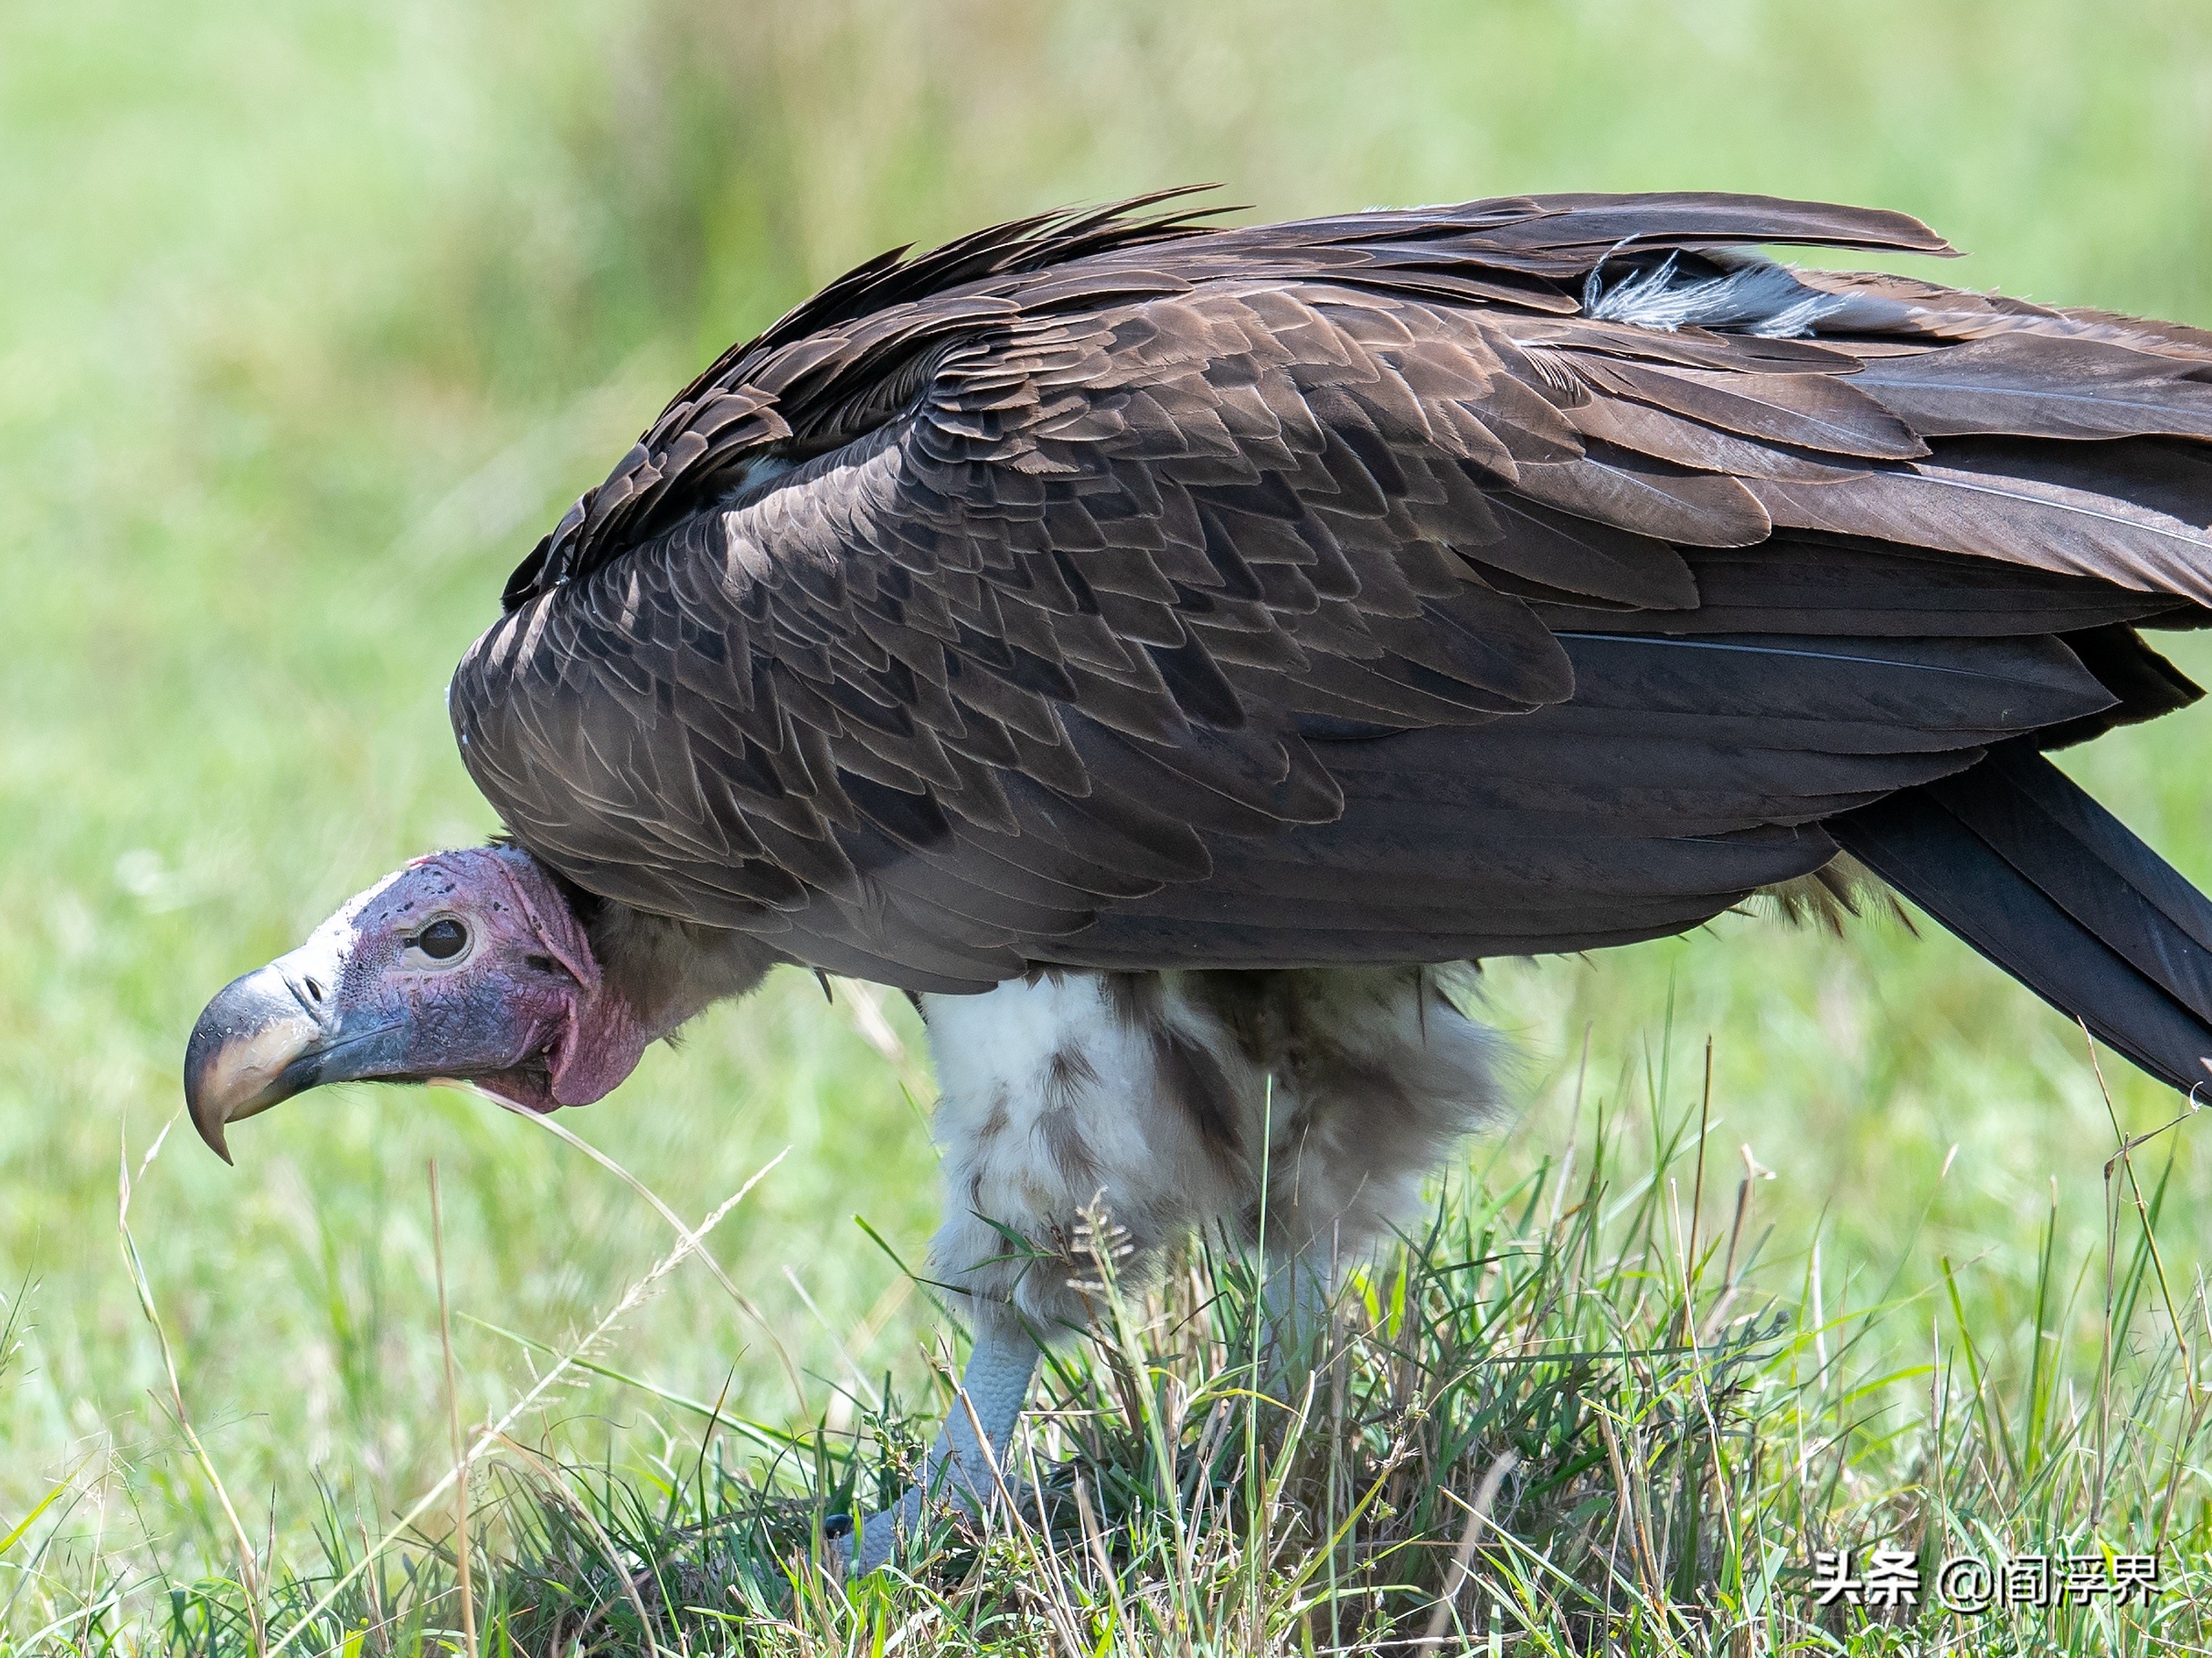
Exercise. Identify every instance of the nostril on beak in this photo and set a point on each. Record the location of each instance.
(314, 990)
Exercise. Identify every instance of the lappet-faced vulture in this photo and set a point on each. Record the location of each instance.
(1159, 648)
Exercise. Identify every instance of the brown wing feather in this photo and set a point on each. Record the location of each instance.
(992, 591)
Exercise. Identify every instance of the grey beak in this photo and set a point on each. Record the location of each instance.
(257, 1044)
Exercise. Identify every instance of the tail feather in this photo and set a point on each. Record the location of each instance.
(2019, 862)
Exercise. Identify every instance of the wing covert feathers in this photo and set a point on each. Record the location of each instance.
(1111, 588)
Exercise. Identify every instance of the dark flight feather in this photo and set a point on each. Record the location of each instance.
(2019, 862)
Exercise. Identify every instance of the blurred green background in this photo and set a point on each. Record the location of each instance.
(313, 317)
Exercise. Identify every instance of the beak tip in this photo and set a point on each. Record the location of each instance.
(207, 1116)
(243, 1054)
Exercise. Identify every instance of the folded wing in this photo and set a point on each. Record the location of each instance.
(1525, 575)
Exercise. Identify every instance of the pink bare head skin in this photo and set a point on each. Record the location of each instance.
(467, 965)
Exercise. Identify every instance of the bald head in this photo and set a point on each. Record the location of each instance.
(469, 965)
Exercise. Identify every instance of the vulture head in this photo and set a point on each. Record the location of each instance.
(471, 966)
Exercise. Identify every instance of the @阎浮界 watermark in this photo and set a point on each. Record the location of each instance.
(1969, 1584)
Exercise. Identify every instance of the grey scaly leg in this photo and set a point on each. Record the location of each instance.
(995, 1386)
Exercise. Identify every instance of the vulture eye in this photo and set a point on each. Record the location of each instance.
(443, 939)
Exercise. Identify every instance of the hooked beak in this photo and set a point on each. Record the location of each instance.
(259, 1042)
(255, 1045)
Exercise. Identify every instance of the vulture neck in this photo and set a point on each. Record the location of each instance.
(669, 971)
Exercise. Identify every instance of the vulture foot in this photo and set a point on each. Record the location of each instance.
(967, 1463)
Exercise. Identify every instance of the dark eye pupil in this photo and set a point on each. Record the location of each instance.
(441, 940)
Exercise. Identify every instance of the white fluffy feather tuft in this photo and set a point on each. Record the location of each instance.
(1763, 298)
(1161, 1098)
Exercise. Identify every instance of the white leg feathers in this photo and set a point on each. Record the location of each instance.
(1308, 1105)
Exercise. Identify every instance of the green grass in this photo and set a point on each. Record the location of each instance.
(312, 319)
(1557, 1416)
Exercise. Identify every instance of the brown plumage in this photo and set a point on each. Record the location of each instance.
(1110, 590)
